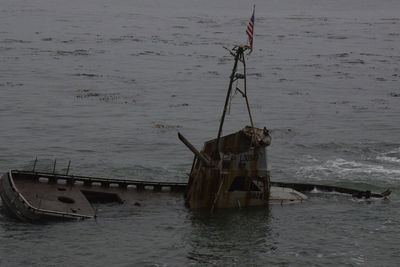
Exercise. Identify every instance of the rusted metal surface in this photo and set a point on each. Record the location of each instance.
(28, 202)
(199, 155)
(34, 196)
(239, 179)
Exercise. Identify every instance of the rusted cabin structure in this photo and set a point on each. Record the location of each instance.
(239, 179)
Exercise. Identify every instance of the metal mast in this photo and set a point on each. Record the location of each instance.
(239, 56)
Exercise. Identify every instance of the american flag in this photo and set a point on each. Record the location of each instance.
(250, 31)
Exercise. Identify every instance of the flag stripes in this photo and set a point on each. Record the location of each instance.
(250, 31)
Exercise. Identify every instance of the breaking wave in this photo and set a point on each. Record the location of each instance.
(344, 168)
(374, 166)
(388, 159)
(392, 156)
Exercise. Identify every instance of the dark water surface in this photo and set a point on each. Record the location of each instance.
(108, 84)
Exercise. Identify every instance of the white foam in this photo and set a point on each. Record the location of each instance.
(345, 167)
(396, 150)
(316, 191)
(392, 156)
(388, 159)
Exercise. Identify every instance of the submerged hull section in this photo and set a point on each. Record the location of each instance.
(35, 196)
(277, 196)
(14, 202)
(30, 200)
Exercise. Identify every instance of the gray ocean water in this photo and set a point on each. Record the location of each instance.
(108, 84)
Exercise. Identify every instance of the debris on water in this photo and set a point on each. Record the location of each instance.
(395, 94)
(78, 52)
(11, 84)
(342, 55)
(179, 105)
(91, 75)
(165, 126)
(10, 41)
(104, 97)
(214, 73)
(87, 94)
(297, 93)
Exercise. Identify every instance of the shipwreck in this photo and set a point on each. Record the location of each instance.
(230, 171)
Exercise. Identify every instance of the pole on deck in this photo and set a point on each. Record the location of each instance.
(34, 165)
(69, 163)
(239, 53)
(54, 166)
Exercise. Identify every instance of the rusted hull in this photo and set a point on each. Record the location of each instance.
(28, 207)
(13, 202)
(35, 196)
